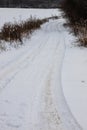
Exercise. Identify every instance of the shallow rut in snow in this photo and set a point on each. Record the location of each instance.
(32, 98)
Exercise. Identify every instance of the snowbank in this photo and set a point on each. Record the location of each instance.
(74, 81)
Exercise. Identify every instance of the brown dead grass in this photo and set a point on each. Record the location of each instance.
(15, 32)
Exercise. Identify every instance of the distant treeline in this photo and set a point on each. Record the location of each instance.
(30, 3)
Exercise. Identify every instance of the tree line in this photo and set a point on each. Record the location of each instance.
(29, 3)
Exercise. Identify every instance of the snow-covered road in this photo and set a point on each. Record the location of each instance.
(31, 96)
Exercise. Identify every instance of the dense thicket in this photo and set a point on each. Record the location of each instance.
(76, 10)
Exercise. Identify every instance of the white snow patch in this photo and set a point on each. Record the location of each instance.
(74, 81)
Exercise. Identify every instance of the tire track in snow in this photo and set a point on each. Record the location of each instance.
(8, 72)
(34, 94)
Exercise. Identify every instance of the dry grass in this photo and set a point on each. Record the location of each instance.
(80, 30)
(15, 32)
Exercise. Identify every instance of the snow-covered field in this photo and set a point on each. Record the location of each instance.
(40, 78)
(16, 15)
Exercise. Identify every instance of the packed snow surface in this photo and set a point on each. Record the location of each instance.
(31, 94)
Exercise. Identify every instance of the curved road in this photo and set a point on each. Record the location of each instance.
(31, 96)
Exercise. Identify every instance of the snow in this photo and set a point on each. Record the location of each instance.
(74, 81)
(17, 15)
(43, 83)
